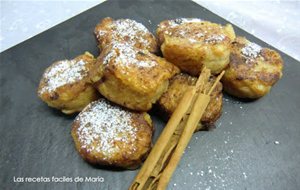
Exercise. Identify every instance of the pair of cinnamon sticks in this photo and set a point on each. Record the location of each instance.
(168, 149)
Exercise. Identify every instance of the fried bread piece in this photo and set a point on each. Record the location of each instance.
(66, 85)
(178, 86)
(252, 71)
(192, 43)
(106, 134)
(131, 77)
(127, 31)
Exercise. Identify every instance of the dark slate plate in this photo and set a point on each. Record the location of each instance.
(256, 144)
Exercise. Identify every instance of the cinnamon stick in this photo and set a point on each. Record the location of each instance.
(154, 168)
(162, 141)
(196, 114)
(166, 154)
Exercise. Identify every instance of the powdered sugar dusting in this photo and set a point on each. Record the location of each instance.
(214, 38)
(101, 125)
(128, 30)
(185, 33)
(64, 72)
(179, 21)
(176, 22)
(127, 27)
(194, 36)
(125, 55)
(251, 50)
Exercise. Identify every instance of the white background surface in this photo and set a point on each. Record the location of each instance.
(275, 22)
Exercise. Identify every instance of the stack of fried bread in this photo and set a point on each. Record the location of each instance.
(114, 91)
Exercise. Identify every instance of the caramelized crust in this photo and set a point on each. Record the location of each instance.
(106, 134)
(192, 43)
(127, 31)
(66, 85)
(252, 71)
(131, 77)
(178, 86)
